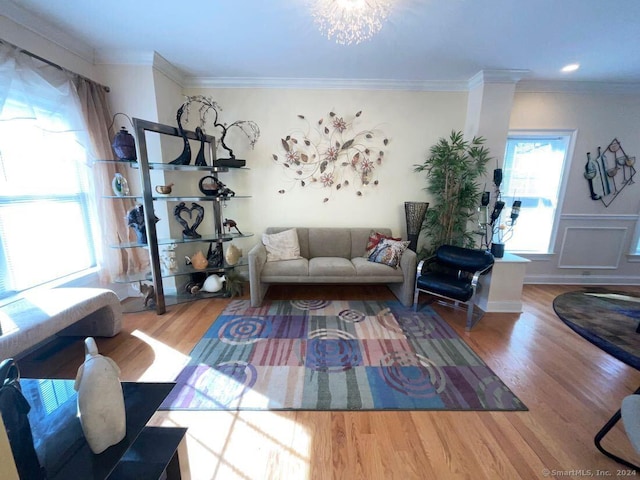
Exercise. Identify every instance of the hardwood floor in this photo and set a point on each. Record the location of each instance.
(570, 387)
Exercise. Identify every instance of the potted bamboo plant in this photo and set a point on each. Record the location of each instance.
(452, 169)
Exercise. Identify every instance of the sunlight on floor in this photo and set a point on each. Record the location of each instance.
(243, 445)
(167, 362)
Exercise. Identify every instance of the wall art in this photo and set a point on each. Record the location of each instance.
(609, 173)
(333, 153)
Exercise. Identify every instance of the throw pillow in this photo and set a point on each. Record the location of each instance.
(374, 240)
(389, 252)
(282, 245)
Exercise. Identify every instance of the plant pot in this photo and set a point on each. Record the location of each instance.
(497, 250)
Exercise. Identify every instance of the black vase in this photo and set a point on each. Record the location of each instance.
(497, 250)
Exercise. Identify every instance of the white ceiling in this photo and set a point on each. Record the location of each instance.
(422, 41)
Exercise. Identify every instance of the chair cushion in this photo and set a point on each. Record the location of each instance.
(466, 259)
(445, 285)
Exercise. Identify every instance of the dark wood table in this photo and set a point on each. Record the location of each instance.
(144, 453)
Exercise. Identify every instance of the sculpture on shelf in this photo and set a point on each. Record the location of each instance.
(119, 185)
(189, 231)
(148, 292)
(231, 224)
(214, 254)
(135, 220)
(100, 399)
(185, 156)
(248, 127)
(198, 261)
(200, 159)
(232, 255)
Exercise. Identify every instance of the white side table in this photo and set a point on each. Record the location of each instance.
(501, 289)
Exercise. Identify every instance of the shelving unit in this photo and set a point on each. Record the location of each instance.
(149, 198)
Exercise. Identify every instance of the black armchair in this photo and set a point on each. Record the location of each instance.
(453, 273)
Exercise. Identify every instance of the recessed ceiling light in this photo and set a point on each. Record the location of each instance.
(572, 67)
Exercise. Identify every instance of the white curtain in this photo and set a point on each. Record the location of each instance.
(29, 88)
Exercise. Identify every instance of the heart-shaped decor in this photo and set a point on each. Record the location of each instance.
(184, 215)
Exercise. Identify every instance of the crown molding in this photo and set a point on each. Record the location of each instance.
(140, 58)
(496, 76)
(550, 86)
(325, 84)
(46, 30)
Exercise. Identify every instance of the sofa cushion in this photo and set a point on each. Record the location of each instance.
(282, 246)
(330, 242)
(287, 268)
(331, 266)
(367, 269)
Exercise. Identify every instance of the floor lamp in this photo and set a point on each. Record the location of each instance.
(414, 214)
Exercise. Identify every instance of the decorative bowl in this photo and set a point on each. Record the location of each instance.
(164, 189)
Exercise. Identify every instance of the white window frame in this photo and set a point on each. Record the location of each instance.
(572, 134)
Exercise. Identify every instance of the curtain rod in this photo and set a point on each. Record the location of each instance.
(55, 65)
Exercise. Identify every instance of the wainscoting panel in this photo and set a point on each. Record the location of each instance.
(592, 247)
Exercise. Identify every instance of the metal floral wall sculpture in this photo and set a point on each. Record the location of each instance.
(332, 154)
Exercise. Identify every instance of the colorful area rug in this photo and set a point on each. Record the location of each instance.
(607, 319)
(335, 355)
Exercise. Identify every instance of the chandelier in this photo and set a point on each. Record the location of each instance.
(350, 21)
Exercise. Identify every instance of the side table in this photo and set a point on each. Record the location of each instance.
(500, 290)
(144, 453)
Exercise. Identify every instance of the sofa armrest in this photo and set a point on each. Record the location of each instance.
(405, 290)
(257, 257)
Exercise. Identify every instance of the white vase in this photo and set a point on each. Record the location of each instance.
(213, 283)
(100, 399)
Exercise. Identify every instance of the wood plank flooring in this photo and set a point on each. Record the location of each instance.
(570, 387)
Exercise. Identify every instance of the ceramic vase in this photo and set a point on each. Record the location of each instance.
(100, 400)
(213, 283)
(233, 254)
(119, 185)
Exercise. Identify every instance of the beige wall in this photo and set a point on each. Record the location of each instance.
(413, 121)
(593, 241)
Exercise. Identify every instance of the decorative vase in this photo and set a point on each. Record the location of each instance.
(119, 185)
(414, 216)
(124, 145)
(198, 260)
(233, 254)
(497, 250)
(213, 283)
(100, 399)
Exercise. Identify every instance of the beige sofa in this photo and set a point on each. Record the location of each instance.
(331, 256)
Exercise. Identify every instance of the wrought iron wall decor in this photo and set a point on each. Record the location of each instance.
(333, 155)
(609, 173)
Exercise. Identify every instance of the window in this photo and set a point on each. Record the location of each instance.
(533, 169)
(45, 227)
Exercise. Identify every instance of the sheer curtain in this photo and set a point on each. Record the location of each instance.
(69, 105)
(112, 213)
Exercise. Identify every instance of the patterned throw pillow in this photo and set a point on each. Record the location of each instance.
(374, 240)
(389, 252)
